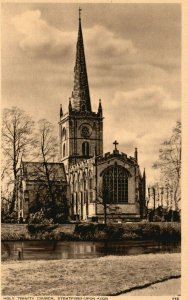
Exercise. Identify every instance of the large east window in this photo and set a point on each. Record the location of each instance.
(115, 185)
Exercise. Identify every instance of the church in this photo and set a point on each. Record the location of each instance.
(99, 186)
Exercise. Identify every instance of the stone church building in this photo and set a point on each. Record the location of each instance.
(100, 183)
(100, 186)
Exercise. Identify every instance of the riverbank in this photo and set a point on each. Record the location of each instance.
(109, 275)
(156, 231)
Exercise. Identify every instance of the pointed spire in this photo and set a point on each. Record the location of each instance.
(61, 111)
(80, 94)
(100, 108)
(136, 154)
(70, 105)
(144, 174)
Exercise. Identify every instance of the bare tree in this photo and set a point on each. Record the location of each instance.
(47, 151)
(102, 198)
(169, 163)
(17, 140)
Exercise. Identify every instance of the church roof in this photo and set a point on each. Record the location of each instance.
(80, 96)
(116, 155)
(36, 170)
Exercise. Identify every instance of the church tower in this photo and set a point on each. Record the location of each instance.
(80, 129)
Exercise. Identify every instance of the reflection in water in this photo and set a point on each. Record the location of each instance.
(33, 250)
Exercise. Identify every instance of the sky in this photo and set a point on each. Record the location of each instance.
(133, 56)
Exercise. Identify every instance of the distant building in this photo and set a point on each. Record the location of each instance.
(99, 184)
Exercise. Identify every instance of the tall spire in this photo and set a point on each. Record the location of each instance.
(80, 95)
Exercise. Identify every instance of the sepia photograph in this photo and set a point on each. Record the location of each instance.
(91, 148)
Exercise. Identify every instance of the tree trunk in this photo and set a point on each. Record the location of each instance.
(14, 194)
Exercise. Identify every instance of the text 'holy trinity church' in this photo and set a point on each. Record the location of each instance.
(97, 186)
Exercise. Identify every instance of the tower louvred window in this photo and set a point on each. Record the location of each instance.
(85, 149)
(63, 133)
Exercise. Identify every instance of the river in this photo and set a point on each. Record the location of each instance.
(46, 250)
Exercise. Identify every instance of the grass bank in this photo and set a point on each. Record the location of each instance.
(108, 275)
(168, 231)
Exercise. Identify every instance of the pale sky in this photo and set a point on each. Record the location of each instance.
(133, 56)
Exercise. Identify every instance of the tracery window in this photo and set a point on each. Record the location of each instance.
(115, 185)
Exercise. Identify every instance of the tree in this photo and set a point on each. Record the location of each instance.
(102, 198)
(51, 194)
(47, 151)
(169, 163)
(17, 140)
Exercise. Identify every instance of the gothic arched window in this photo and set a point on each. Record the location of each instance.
(85, 149)
(63, 150)
(115, 185)
(63, 134)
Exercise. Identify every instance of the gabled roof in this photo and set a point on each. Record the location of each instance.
(36, 171)
(116, 155)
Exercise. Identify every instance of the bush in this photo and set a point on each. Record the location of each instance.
(171, 231)
(9, 218)
(39, 218)
(157, 218)
(92, 231)
(114, 232)
(84, 231)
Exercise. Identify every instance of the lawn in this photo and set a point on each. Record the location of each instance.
(107, 275)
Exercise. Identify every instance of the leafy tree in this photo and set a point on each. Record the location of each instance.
(169, 163)
(17, 140)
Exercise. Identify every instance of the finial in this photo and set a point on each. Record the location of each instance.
(136, 154)
(61, 111)
(80, 10)
(70, 105)
(100, 107)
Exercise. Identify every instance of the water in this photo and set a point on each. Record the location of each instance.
(36, 250)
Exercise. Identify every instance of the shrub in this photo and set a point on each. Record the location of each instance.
(157, 218)
(114, 232)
